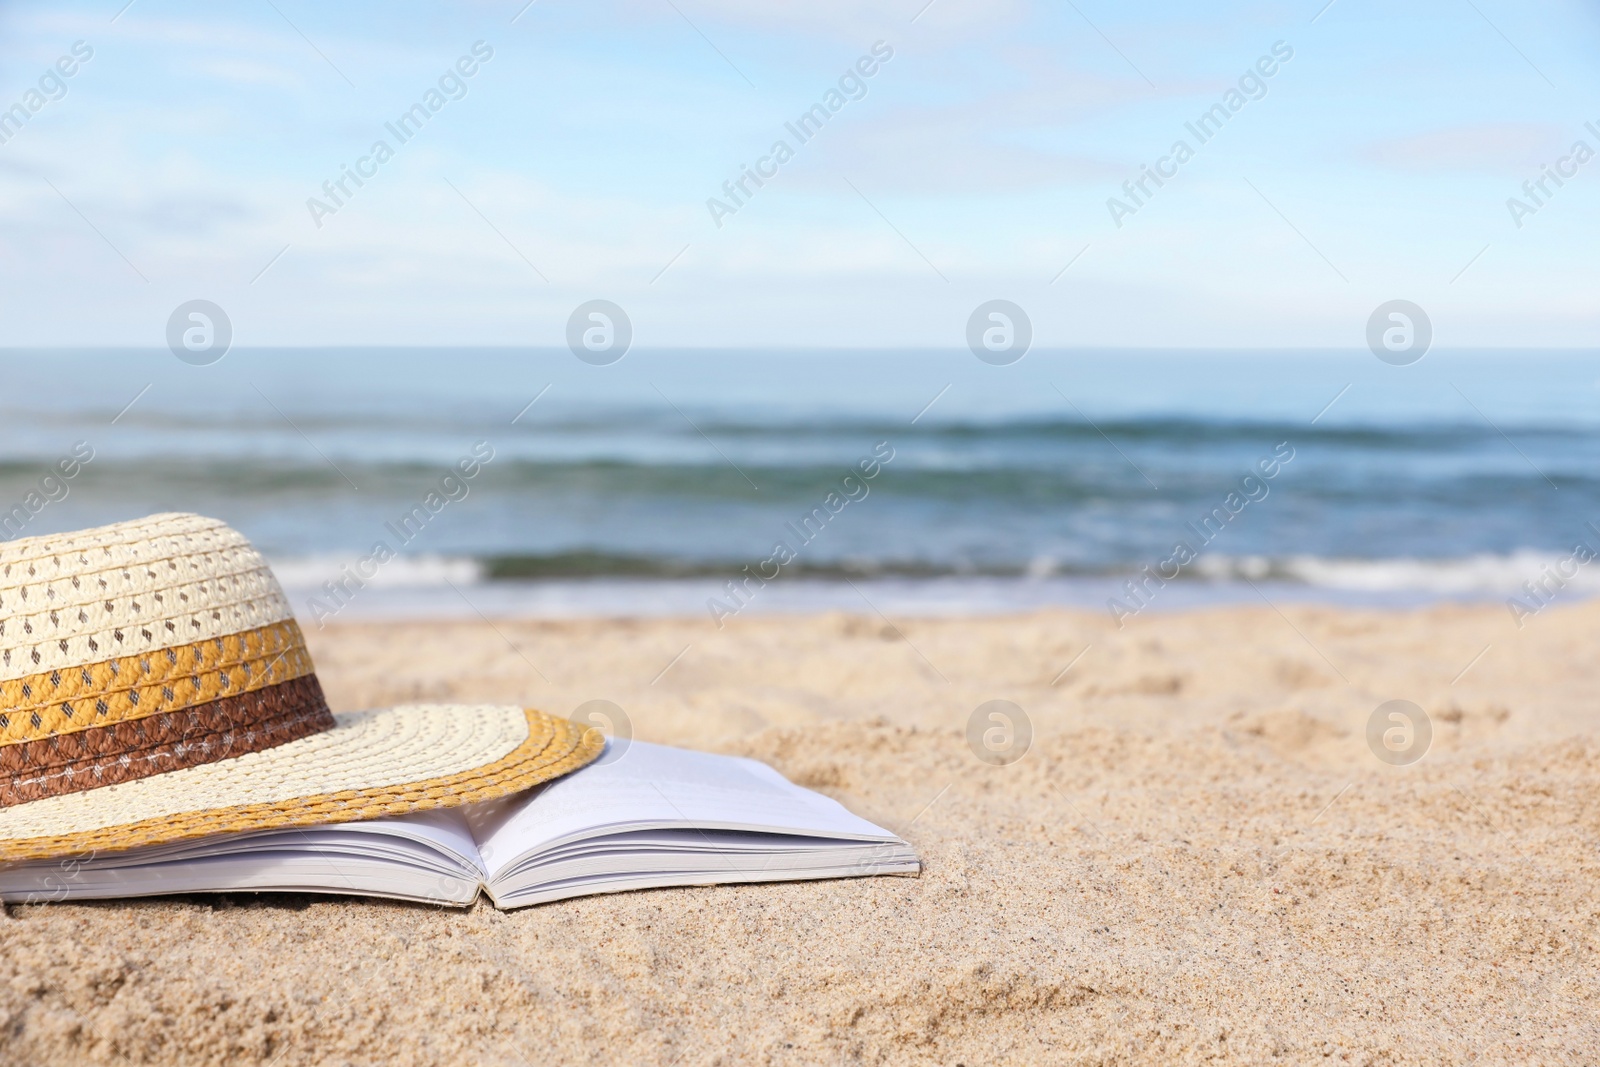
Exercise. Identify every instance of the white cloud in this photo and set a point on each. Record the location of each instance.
(1511, 148)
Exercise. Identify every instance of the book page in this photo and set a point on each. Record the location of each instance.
(426, 855)
(640, 785)
(443, 829)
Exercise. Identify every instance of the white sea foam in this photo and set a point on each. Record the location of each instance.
(306, 574)
(1473, 577)
(1478, 575)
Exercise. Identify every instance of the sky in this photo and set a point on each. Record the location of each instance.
(586, 155)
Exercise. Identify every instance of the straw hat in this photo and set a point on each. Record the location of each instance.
(154, 687)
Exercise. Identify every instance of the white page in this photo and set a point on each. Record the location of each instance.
(444, 830)
(275, 871)
(639, 785)
(423, 855)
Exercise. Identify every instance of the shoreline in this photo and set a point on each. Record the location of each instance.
(949, 597)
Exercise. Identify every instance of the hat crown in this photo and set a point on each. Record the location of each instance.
(143, 647)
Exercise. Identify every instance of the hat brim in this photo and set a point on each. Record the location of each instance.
(371, 764)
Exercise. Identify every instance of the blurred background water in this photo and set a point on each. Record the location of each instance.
(645, 486)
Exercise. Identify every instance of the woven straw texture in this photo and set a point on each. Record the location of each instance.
(111, 755)
(129, 589)
(372, 764)
(134, 687)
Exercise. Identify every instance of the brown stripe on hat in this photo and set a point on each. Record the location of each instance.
(125, 751)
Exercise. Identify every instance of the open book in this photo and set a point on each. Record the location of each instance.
(640, 817)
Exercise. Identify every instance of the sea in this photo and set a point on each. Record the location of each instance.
(431, 482)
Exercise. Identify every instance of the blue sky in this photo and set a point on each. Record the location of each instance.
(977, 165)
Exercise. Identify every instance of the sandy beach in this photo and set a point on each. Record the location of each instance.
(1199, 859)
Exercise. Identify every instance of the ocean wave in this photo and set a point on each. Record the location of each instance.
(643, 436)
(1482, 575)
